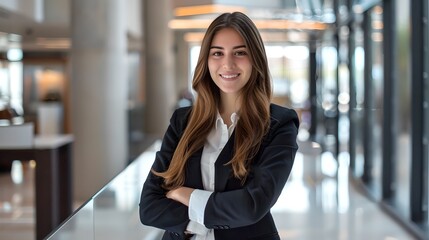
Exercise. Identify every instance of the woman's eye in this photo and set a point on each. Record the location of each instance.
(240, 53)
(217, 54)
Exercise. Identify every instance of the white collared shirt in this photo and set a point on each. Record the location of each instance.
(216, 140)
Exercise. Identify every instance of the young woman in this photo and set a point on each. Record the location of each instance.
(224, 161)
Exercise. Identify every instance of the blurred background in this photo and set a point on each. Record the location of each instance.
(111, 72)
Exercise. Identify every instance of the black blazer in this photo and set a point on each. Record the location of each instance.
(234, 211)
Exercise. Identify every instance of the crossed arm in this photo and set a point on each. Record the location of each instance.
(181, 194)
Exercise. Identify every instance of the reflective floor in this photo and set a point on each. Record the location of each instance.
(318, 202)
(16, 202)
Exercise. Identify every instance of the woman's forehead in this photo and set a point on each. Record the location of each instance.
(227, 37)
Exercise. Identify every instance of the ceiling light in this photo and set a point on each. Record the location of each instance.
(206, 9)
(260, 24)
(14, 55)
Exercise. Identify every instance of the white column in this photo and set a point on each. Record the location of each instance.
(98, 93)
(159, 53)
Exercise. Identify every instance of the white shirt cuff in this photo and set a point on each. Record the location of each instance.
(197, 205)
(196, 228)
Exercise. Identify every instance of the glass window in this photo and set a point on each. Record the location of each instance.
(374, 158)
(289, 66)
(194, 52)
(289, 71)
(402, 111)
(4, 84)
(327, 97)
(356, 102)
(11, 88)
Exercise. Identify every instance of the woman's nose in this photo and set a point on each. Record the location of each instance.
(228, 62)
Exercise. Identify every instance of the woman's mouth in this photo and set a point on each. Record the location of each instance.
(229, 76)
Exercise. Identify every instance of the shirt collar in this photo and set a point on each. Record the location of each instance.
(234, 118)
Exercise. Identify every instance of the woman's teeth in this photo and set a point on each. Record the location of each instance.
(229, 76)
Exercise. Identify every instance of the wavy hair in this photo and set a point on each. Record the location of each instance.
(254, 112)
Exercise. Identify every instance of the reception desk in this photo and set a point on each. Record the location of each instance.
(53, 178)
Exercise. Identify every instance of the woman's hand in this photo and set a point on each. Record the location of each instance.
(181, 194)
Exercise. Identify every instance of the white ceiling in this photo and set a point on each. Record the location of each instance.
(36, 30)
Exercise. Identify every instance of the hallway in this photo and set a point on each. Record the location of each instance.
(318, 202)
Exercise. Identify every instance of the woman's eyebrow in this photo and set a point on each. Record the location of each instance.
(218, 47)
(240, 46)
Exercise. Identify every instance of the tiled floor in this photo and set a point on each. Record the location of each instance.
(318, 202)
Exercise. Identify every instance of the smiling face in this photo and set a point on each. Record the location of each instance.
(229, 62)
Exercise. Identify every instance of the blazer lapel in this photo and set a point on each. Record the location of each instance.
(193, 171)
(224, 172)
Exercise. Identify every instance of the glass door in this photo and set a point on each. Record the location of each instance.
(426, 120)
(374, 102)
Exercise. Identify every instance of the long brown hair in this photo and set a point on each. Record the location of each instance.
(254, 112)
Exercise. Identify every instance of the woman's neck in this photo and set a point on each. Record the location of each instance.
(229, 105)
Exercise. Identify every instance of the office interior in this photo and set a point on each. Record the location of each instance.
(104, 77)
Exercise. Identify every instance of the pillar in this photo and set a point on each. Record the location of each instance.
(98, 93)
(160, 96)
(313, 87)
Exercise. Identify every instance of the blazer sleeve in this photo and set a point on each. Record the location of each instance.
(266, 180)
(155, 208)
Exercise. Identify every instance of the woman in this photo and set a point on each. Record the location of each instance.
(223, 162)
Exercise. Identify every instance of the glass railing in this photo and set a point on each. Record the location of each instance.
(113, 212)
(79, 226)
